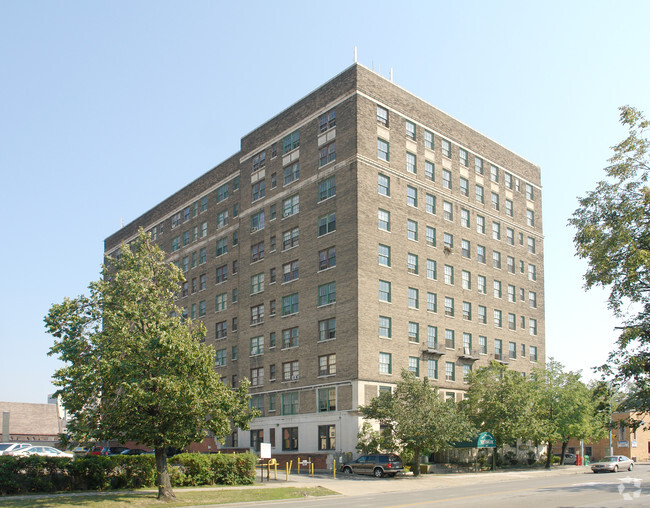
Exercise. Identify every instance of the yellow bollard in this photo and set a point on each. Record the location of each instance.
(298, 465)
(334, 468)
(287, 465)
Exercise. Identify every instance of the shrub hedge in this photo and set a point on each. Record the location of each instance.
(21, 475)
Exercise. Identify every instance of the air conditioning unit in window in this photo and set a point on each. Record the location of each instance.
(295, 377)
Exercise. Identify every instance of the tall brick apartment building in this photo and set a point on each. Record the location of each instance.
(359, 232)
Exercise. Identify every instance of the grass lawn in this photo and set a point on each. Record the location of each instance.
(183, 497)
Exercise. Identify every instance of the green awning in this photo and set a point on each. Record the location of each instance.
(483, 440)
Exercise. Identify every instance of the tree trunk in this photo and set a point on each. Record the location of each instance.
(416, 461)
(494, 458)
(564, 446)
(549, 455)
(165, 492)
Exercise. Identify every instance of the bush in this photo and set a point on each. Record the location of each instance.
(531, 459)
(510, 457)
(222, 469)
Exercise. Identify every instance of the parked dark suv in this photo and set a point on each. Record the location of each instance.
(382, 464)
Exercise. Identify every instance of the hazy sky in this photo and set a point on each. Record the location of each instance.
(107, 108)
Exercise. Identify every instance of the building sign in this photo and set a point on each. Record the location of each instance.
(623, 444)
(483, 440)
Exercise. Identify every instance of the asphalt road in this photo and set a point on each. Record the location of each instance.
(569, 487)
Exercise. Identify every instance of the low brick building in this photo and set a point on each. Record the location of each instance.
(33, 423)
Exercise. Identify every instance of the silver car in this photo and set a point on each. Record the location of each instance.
(10, 447)
(43, 451)
(613, 463)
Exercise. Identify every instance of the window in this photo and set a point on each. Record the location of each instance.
(291, 173)
(326, 399)
(290, 371)
(220, 358)
(414, 332)
(533, 353)
(494, 173)
(450, 340)
(289, 436)
(466, 278)
(464, 218)
(449, 306)
(450, 371)
(259, 190)
(464, 186)
(414, 365)
(467, 311)
(480, 224)
(385, 363)
(449, 274)
(431, 236)
(495, 200)
(290, 405)
(496, 231)
(511, 293)
(383, 220)
(532, 299)
(531, 245)
(497, 288)
(327, 329)
(203, 281)
(448, 211)
(383, 185)
(202, 308)
(326, 224)
(530, 218)
(384, 291)
(498, 349)
(221, 329)
(411, 165)
(385, 330)
(496, 259)
(221, 302)
(257, 314)
(327, 154)
(430, 170)
(384, 255)
(222, 274)
(480, 254)
(512, 321)
(446, 179)
(291, 142)
(428, 140)
(482, 314)
(176, 220)
(482, 345)
(257, 283)
(509, 209)
(532, 272)
(290, 338)
(411, 229)
(480, 196)
(383, 150)
(498, 321)
(382, 116)
(413, 298)
(327, 365)
(257, 252)
(327, 258)
(326, 293)
(222, 246)
(290, 238)
(290, 304)
(507, 178)
(463, 157)
(510, 236)
(467, 370)
(222, 220)
(430, 203)
(532, 326)
(478, 165)
(466, 251)
(512, 350)
(446, 148)
(176, 243)
(257, 345)
(432, 271)
(327, 121)
(257, 221)
(412, 263)
(411, 196)
(432, 302)
(481, 282)
(529, 192)
(410, 130)
(290, 206)
(510, 263)
(432, 337)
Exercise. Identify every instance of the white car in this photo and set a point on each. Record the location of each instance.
(613, 463)
(43, 451)
(11, 447)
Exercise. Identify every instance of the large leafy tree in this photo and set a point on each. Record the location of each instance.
(499, 401)
(134, 369)
(613, 235)
(419, 419)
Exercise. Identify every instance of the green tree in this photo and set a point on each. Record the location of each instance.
(419, 419)
(613, 235)
(498, 401)
(135, 370)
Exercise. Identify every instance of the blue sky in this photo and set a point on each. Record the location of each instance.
(107, 108)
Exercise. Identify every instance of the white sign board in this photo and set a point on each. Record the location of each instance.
(265, 450)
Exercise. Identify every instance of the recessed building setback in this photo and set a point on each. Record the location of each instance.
(359, 232)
